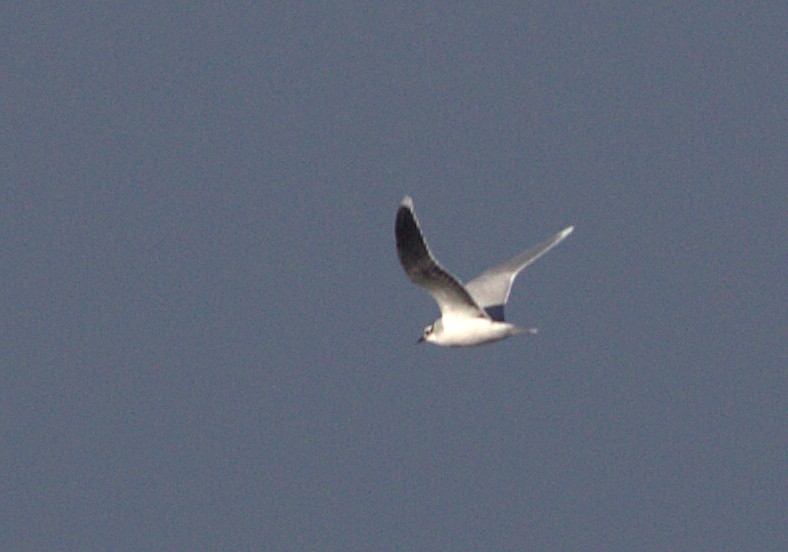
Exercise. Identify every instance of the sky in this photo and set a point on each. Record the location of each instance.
(209, 344)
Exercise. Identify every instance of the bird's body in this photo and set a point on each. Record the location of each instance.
(459, 331)
(471, 314)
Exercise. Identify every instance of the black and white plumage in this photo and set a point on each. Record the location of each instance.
(471, 314)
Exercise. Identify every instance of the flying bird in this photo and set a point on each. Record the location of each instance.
(471, 314)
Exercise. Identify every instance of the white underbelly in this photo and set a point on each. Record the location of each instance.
(459, 332)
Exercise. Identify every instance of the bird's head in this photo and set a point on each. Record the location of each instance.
(428, 335)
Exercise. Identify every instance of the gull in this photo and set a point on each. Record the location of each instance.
(471, 314)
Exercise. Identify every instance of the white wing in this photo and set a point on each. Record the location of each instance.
(423, 270)
(491, 288)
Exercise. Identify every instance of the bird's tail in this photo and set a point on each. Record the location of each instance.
(532, 331)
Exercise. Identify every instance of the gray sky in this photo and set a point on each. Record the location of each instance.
(208, 342)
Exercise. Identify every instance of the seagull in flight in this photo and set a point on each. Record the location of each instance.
(471, 314)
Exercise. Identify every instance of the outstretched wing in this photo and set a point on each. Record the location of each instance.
(423, 270)
(491, 288)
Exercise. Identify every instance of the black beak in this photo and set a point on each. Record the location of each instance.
(421, 340)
